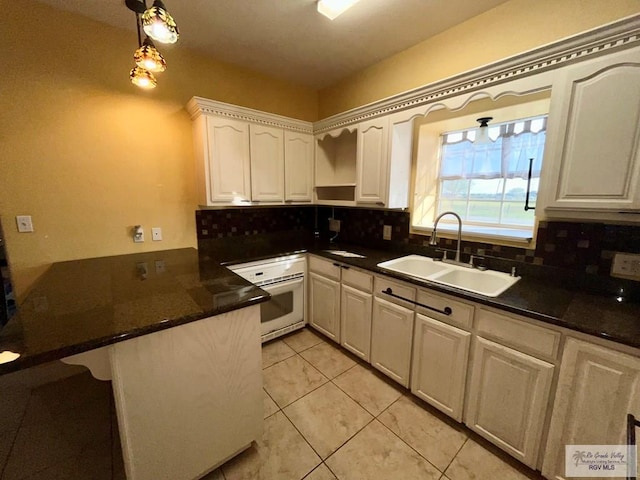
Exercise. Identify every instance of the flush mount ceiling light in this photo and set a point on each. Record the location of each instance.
(159, 25)
(482, 134)
(332, 8)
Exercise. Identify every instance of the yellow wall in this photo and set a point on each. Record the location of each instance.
(87, 154)
(511, 28)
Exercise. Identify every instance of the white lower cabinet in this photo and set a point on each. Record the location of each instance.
(508, 398)
(439, 370)
(391, 338)
(324, 305)
(597, 388)
(355, 324)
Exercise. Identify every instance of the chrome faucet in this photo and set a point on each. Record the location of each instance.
(434, 239)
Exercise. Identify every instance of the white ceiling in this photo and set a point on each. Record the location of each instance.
(289, 39)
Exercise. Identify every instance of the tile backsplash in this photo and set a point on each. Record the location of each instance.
(584, 247)
(237, 222)
(587, 248)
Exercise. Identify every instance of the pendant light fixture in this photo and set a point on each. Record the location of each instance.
(149, 58)
(482, 134)
(143, 78)
(158, 24)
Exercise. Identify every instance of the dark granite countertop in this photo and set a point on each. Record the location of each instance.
(85, 304)
(552, 300)
(603, 315)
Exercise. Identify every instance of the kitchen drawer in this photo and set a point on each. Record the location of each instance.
(357, 279)
(404, 291)
(324, 267)
(524, 336)
(461, 313)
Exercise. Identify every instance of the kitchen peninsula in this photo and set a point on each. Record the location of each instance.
(178, 337)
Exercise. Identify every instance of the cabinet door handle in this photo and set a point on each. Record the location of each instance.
(445, 311)
(346, 267)
(336, 265)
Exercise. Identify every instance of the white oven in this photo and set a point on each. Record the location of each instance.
(283, 278)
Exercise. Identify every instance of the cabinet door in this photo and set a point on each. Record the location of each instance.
(267, 164)
(391, 337)
(372, 161)
(324, 305)
(355, 324)
(593, 143)
(440, 354)
(229, 164)
(507, 399)
(597, 388)
(298, 167)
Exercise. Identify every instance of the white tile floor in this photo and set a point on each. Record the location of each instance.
(327, 416)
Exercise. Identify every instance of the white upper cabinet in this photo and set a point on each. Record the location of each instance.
(298, 167)
(384, 161)
(267, 163)
(241, 155)
(372, 161)
(592, 156)
(228, 165)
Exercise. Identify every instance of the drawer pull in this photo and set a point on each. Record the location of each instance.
(445, 311)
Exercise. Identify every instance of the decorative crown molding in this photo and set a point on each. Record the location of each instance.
(198, 106)
(618, 35)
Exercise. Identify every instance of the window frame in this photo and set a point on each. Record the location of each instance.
(426, 194)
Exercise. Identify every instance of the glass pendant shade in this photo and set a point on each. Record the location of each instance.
(149, 58)
(142, 78)
(159, 25)
(482, 134)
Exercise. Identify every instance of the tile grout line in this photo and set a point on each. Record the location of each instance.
(411, 447)
(457, 453)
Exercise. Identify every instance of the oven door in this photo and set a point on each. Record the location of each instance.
(285, 307)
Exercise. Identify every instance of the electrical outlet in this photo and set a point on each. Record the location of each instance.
(156, 234)
(25, 224)
(626, 265)
(386, 232)
(334, 225)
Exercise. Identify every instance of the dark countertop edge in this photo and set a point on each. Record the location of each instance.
(57, 354)
(494, 302)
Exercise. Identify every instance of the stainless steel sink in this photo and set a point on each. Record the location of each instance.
(488, 282)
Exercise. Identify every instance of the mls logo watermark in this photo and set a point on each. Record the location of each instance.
(608, 461)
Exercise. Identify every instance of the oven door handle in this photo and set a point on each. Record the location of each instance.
(282, 286)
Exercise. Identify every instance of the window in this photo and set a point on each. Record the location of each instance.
(485, 184)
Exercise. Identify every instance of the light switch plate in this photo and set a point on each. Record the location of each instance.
(24, 223)
(626, 265)
(334, 225)
(386, 232)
